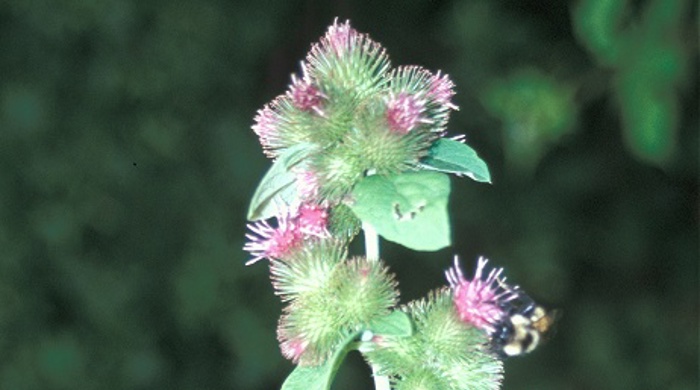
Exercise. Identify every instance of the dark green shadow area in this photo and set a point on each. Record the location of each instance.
(127, 163)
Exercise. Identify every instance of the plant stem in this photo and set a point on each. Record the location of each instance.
(371, 242)
(381, 382)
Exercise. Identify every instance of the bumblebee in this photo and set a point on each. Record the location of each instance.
(525, 326)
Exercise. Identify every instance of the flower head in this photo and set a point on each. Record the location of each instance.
(307, 183)
(266, 126)
(306, 96)
(455, 350)
(328, 301)
(481, 300)
(347, 63)
(292, 349)
(313, 220)
(442, 90)
(404, 112)
(294, 226)
(266, 241)
(340, 36)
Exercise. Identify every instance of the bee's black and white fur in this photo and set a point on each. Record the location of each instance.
(523, 328)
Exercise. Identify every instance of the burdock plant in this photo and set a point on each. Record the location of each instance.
(360, 146)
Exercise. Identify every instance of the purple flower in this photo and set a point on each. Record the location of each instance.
(306, 96)
(340, 37)
(442, 90)
(266, 241)
(278, 242)
(313, 220)
(307, 184)
(480, 301)
(267, 127)
(292, 349)
(404, 112)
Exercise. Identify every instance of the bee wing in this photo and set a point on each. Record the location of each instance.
(546, 324)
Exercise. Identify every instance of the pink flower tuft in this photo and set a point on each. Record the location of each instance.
(269, 242)
(292, 349)
(266, 126)
(340, 37)
(313, 220)
(442, 90)
(480, 301)
(278, 242)
(306, 96)
(307, 184)
(404, 112)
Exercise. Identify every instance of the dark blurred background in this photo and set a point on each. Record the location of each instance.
(127, 161)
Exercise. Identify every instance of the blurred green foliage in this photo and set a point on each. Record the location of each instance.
(127, 162)
(536, 113)
(647, 46)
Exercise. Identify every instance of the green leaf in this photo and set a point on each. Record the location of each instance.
(447, 155)
(650, 125)
(409, 209)
(278, 187)
(598, 26)
(310, 378)
(318, 377)
(396, 323)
